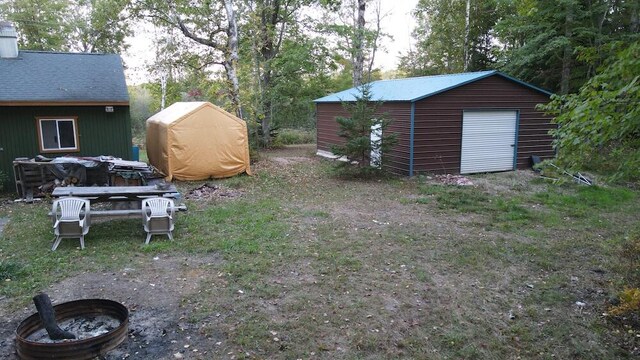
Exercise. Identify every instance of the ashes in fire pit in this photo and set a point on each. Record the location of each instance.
(83, 327)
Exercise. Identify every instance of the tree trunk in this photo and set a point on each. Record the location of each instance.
(266, 104)
(269, 39)
(374, 45)
(567, 56)
(229, 48)
(163, 89)
(231, 58)
(466, 36)
(358, 44)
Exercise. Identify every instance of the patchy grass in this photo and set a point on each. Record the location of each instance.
(295, 136)
(314, 265)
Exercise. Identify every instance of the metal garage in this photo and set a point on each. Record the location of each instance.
(456, 123)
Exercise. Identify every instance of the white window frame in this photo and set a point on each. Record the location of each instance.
(57, 119)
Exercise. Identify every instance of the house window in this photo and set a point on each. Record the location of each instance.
(58, 134)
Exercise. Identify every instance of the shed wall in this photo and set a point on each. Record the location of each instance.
(438, 123)
(100, 133)
(398, 160)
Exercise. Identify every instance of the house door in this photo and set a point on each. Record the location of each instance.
(488, 141)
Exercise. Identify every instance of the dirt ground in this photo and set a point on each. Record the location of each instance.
(368, 274)
(153, 291)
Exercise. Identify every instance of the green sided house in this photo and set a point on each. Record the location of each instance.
(56, 104)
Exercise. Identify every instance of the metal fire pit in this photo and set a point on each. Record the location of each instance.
(74, 349)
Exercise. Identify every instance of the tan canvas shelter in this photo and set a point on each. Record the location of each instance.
(197, 141)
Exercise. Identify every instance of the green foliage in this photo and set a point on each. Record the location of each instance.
(355, 42)
(70, 25)
(101, 26)
(599, 127)
(440, 34)
(141, 108)
(295, 136)
(299, 76)
(356, 131)
(543, 38)
(40, 24)
(10, 270)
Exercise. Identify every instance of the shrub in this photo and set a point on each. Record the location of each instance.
(598, 127)
(629, 302)
(629, 298)
(295, 136)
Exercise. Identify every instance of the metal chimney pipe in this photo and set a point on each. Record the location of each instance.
(8, 40)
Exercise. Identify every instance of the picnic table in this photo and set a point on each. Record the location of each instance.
(115, 193)
(125, 200)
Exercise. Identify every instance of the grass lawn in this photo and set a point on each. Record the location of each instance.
(295, 262)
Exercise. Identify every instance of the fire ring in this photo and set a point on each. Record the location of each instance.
(88, 348)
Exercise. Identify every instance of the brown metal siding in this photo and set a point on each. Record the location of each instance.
(396, 161)
(438, 123)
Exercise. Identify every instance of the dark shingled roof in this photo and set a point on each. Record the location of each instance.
(38, 76)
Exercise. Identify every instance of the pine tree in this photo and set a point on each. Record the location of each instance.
(356, 130)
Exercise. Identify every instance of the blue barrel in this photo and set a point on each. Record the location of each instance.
(136, 153)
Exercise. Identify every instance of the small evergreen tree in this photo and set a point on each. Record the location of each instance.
(356, 130)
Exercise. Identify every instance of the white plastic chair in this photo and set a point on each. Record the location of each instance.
(157, 217)
(70, 221)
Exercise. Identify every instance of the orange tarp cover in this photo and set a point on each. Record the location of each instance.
(197, 141)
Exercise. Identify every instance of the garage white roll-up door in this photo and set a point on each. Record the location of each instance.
(488, 141)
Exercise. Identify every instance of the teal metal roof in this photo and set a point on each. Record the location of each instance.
(417, 88)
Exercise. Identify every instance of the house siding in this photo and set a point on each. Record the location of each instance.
(397, 161)
(99, 132)
(438, 123)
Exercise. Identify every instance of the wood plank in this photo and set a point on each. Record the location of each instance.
(132, 213)
(110, 191)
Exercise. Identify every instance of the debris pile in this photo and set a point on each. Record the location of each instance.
(458, 180)
(207, 191)
(38, 177)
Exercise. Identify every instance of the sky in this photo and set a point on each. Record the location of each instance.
(397, 22)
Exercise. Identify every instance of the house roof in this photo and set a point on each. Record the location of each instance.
(418, 88)
(38, 77)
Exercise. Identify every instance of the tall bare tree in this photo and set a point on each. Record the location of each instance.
(358, 43)
(359, 39)
(466, 36)
(212, 24)
(268, 25)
